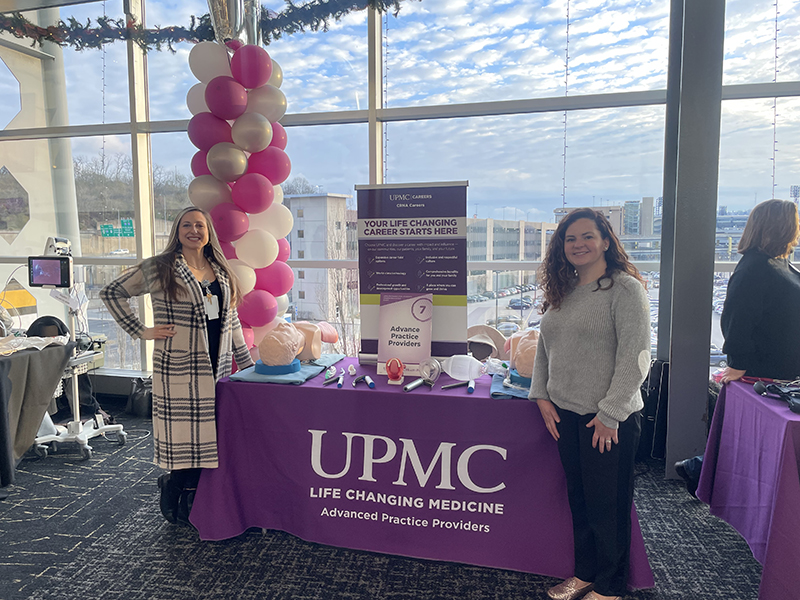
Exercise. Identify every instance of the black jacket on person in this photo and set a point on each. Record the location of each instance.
(761, 317)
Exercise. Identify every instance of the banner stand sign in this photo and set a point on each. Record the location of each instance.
(412, 239)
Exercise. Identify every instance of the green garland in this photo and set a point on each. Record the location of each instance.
(313, 15)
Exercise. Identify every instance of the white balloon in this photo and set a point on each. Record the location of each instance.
(252, 132)
(283, 304)
(226, 161)
(276, 78)
(257, 248)
(268, 101)
(196, 99)
(207, 191)
(278, 197)
(245, 274)
(277, 220)
(208, 60)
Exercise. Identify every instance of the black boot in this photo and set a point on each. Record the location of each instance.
(170, 495)
(185, 505)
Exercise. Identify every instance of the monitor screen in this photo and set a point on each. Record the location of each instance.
(50, 271)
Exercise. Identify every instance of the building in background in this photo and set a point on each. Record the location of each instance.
(325, 229)
(504, 240)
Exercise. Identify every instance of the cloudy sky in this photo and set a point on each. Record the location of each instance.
(456, 51)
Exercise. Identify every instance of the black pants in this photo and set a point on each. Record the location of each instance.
(185, 478)
(600, 491)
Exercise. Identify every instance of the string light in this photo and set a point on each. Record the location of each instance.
(566, 92)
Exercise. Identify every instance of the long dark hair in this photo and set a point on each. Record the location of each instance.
(557, 275)
(212, 251)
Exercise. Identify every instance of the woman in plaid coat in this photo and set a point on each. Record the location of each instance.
(196, 333)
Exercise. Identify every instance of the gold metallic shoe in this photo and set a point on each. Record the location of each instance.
(569, 589)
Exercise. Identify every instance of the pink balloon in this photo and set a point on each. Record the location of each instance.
(230, 222)
(284, 250)
(279, 138)
(226, 97)
(249, 336)
(251, 66)
(205, 130)
(253, 192)
(228, 250)
(234, 44)
(199, 165)
(272, 163)
(258, 308)
(277, 279)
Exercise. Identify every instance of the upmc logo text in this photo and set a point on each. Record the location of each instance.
(445, 455)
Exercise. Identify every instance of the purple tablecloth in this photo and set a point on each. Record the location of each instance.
(430, 474)
(750, 479)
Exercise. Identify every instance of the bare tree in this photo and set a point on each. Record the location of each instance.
(338, 297)
(299, 186)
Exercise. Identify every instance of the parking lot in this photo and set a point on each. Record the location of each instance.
(515, 308)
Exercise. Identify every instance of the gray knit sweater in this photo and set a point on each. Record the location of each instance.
(594, 351)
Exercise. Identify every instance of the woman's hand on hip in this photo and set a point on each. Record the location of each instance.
(730, 374)
(603, 436)
(159, 332)
(550, 416)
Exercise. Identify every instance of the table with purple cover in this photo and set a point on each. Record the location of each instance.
(272, 476)
(751, 480)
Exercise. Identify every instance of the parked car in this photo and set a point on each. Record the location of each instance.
(507, 328)
(489, 294)
(120, 251)
(504, 319)
(519, 304)
(717, 359)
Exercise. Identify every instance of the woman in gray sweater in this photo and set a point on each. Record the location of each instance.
(592, 356)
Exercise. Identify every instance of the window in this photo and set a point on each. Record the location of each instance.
(299, 213)
(301, 233)
(301, 295)
(301, 274)
(301, 254)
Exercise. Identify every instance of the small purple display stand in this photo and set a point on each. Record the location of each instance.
(750, 480)
(431, 474)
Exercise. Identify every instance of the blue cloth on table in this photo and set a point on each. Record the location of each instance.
(306, 372)
(498, 390)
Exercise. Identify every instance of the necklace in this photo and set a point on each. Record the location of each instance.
(203, 268)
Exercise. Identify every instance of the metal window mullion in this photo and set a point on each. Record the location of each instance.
(142, 163)
(670, 167)
(375, 92)
(696, 192)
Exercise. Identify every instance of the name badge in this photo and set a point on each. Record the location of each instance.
(211, 303)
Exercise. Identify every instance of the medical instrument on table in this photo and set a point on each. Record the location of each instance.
(429, 370)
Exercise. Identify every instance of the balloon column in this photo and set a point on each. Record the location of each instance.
(238, 168)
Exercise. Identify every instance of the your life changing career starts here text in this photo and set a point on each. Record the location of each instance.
(410, 227)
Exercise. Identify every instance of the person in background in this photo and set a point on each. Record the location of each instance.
(196, 333)
(593, 354)
(761, 315)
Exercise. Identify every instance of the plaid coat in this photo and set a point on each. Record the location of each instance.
(184, 426)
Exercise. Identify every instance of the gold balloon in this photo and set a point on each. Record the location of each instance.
(226, 162)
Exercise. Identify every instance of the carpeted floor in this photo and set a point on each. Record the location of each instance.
(92, 529)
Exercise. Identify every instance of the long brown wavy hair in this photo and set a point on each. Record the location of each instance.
(772, 227)
(557, 276)
(212, 251)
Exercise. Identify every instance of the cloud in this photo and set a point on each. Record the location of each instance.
(453, 51)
